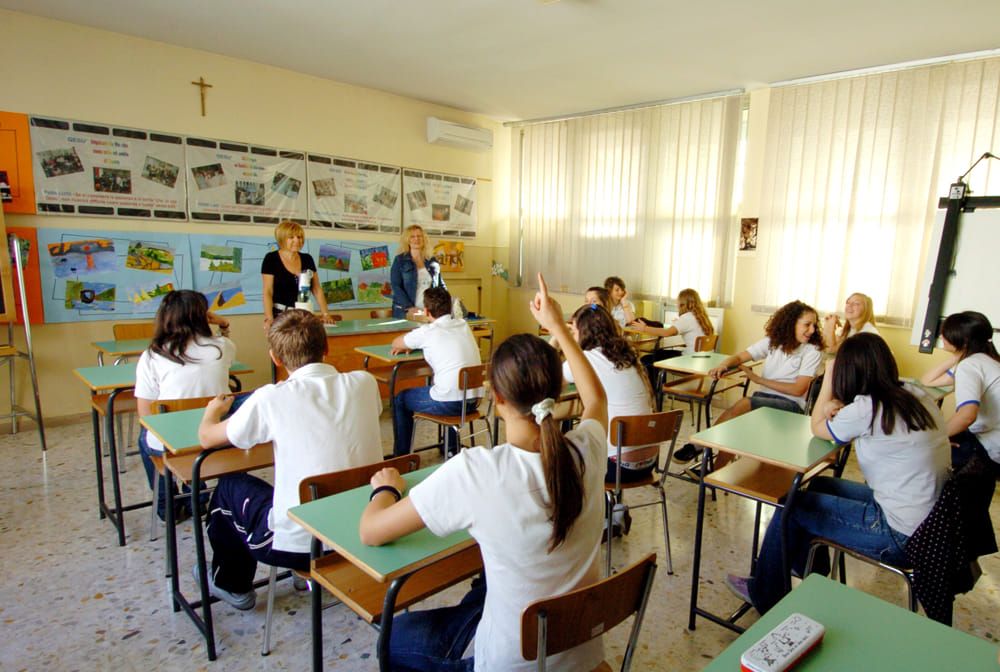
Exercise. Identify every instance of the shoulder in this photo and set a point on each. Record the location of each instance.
(868, 328)
(589, 436)
(269, 262)
(307, 260)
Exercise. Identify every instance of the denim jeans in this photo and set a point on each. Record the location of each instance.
(144, 454)
(767, 400)
(965, 445)
(435, 639)
(418, 400)
(837, 509)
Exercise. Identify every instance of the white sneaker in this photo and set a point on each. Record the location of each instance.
(241, 601)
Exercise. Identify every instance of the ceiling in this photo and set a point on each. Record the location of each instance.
(525, 59)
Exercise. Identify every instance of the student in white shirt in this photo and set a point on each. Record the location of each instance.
(448, 346)
(621, 308)
(691, 323)
(184, 360)
(859, 318)
(975, 371)
(598, 296)
(534, 505)
(902, 449)
(319, 420)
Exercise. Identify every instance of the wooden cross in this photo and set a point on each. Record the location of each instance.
(202, 85)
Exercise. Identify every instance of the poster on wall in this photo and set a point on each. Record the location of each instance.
(444, 205)
(109, 275)
(450, 255)
(238, 182)
(93, 169)
(353, 273)
(27, 239)
(353, 195)
(227, 271)
(15, 164)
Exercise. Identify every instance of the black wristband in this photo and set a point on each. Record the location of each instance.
(386, 488)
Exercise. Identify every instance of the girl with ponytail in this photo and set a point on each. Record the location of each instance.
(535, 504)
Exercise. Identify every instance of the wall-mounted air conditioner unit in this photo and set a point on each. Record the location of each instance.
(448, 133)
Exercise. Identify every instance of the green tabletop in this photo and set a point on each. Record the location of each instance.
(865, 633)
(383, 325)
(334, 520)
(699, 363)
(384, 353)
(768, 435)
(177, 431)
(936, 393)
(106, 378)
(133, 346)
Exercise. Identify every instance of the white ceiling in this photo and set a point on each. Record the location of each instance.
(524, 59)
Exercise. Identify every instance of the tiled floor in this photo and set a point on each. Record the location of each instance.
(71, 599)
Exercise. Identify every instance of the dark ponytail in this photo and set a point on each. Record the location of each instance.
(525, 371)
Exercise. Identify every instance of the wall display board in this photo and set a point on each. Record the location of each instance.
(103, 275)
(15, 163)
(84, 168)
(239, 182)
(28, 239)
(353, 195)
(444, 205)
(227, 271)
(353, 273)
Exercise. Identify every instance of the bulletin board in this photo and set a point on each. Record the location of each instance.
(15, 163)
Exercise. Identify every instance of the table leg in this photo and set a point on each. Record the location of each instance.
(170, 535)
(385, 624)
(95, 419)
(315, 551)
(786, 570)
(199, 545)
(109, 427)
(756, 539)
(699, 529)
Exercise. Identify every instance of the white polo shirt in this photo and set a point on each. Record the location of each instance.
(157, 377)
(320, 420)
(786, 368)
(689, 329)
(906, 470)
(977, 381)
(618, 311)
(500, 497)
(449, 347)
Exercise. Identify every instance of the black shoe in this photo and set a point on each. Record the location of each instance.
(616, 531)
(686, 453)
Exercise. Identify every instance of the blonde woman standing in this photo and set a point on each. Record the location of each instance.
(413, 272)
(280, 273)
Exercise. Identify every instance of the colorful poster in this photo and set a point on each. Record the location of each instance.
(238, 182)
(15, 165)
(451, 256)
(85, 168)
(444, 205)
(353, 273)
(353, 195)
(28, 242)
(227, 271)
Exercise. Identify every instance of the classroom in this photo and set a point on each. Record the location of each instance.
(757, 154)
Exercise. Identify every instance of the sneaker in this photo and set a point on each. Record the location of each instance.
(622, 519)
(299, 583)
(241, 601)
(686, 453)
(616, 531)
(739, 586)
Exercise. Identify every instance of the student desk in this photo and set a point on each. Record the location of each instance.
(106, 384)
(865, 633)
(778, 453)
(937, 394)
(373, 581)
(698, 365)
(119, 350)
(383, 353)
(188, 462)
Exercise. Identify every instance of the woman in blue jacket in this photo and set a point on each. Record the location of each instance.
(413, 271)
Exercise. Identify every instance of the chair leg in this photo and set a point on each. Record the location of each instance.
(666, 531)
(153, 523)
(909, 590)
(413, 435)
(120, 444)
(610, 503)
(271, 581)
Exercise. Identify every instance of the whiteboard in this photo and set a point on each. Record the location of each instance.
(974, 283)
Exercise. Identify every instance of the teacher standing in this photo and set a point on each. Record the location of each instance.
(280, 272)
(413, 272)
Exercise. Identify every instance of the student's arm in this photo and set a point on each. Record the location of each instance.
(963, 418)
(220, 322)
(212, 430)
(655, 331)
(939, 375)
(830, 332)
(826, 406)
(548, 314)
(143, 407)
(797, 388)
(267, 280)
(385, 519)
(728, 363)
(399, 345)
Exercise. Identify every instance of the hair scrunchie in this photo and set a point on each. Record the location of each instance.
(543, 409)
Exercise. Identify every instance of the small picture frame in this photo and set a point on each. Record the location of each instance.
(747, 246)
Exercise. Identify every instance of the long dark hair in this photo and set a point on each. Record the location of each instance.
(971, 333)
(865, 365)
(599, 330)
(182, 318)
(780, 328)
(524, 371)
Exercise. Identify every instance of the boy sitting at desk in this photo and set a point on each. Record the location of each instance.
(448, 346)
(319, 420)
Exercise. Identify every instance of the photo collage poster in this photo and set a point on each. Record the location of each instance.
(444, 205)
(242, 183)
(226, 269)
(83, 168)
(353, 195)
(353, 273)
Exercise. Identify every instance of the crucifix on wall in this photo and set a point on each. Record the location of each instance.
(202, 84)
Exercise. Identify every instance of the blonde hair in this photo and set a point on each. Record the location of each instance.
(288, 229)
(688, 301)
(867, 314)
(404, 240)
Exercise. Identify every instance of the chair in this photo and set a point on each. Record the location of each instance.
(692, 388)
(324, 485)
(649, 431)
(469, 378)
(127, 331)
(812, 395)
(381, 312)
(556, 624)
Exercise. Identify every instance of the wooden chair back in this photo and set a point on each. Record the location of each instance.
(324, 485)
(706, 343)
(381, 312)
(127, 331)
(556, 624)
(173, 405)
(471, 377)
(648, 431)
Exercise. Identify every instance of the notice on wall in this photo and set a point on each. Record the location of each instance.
(242, 183)
(353, 273)
(353, 195)
(226, 269)
(84, 168)
(444, 205)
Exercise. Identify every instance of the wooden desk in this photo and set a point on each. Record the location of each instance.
(697, 366)
(412, 362)
(865, 633)
(106, 385)
(120, 349)
(373, 581)
(778, 454)
(186, 461)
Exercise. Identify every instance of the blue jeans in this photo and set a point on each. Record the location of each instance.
(435, 639)
(767, 400)
(418, 400)
(144, 453)
(837, 509)
(965, 445)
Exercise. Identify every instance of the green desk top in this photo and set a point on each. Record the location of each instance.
(106, 378)
(177, 431)
(381, 325)
(769, 435)
(383, 353)
(865, 633)
(134, 346)
(334, 520)
(936, 393)
(699, 363)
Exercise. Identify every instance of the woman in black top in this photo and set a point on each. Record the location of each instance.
(280, 273)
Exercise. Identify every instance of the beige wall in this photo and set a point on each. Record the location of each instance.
(65, 70)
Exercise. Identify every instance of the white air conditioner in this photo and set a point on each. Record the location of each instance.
(448, 133)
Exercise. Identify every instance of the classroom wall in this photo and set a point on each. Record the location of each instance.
(65, 70)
